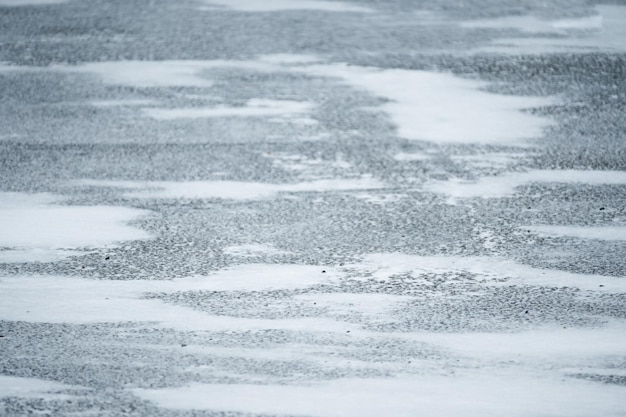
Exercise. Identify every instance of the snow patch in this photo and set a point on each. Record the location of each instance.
(493, 271)
(13, 3)
(53, 299)
(145, 73)
(505, 185)
(13, 386)
(231, 189)
(609, 36)
(531, 24)
(377, 198)
(423, 105)
(36, 229)
(416, 156)
(581, 232)
(442, 107)
(123, 103)
(467, 394)
(278, 5)
(545, 345)
(253, 108)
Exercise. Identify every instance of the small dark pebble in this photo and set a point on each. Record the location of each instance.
(601, 285)
(526, 312)
(106, 258)
(182, 345)
(347, 331)
(324, 271)
(1, 335)
(601, 208)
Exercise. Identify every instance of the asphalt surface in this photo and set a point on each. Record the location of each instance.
(63, 127)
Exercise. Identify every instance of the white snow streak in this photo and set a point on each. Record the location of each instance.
(468, 394)
(35, 229)
(581, 232)
(253, 108)
(603, 33)
(505, 185)
(231, 189)
(441, 107)
(13, 386)
(278, 5)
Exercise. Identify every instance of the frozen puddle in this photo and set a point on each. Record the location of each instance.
(278, 5)
(467, 394)
(34, 228)
(13, 386)
(231, 189)
(605, 32)
(505, 185)
(581, 232)
(253, 108)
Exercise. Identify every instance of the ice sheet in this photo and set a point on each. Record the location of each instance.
(581, 232)
(505, 185)
(13, 386)
(36, 229)
(467, 394)
(253, 108)
(443, 108)
(610, 36)
(277, 5)
(231, 189)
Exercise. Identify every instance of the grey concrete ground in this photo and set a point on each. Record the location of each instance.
(378, 259)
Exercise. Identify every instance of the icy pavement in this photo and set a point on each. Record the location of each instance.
(312, 208)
